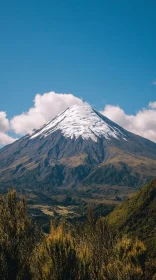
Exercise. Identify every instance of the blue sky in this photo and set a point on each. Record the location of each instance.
(103, 51)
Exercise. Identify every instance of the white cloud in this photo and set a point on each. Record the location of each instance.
(45, 107)
(152, 105)
(4, 122)
(143, 123)
(5, 139)
(154, 83)
(4, 127)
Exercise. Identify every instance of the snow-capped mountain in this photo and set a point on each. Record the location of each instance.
(81, 121)
(78, 149)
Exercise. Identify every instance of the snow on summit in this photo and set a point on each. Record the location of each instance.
(81, 121)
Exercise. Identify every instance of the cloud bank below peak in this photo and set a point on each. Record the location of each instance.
(46, 106)
(143, 123)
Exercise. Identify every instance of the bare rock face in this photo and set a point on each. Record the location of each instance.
(79, 147)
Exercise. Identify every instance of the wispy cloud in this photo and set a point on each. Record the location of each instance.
(154, 83)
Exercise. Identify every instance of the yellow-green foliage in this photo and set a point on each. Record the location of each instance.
(129, 260)
(94, 252)
(17, 238)
(137, 216)
(56, 257)
(88, 251)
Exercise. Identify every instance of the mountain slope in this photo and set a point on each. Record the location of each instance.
(137, 216)
(74, 151)
(114, 170)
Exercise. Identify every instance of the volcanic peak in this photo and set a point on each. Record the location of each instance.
(81, 121)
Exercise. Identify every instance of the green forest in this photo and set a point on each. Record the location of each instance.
(108, 248)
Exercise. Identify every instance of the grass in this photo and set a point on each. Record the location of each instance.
(53, 210)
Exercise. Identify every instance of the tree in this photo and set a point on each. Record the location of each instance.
(17, 238)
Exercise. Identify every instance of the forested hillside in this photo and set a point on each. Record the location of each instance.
(137, 216)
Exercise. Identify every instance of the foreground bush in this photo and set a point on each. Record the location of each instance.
(56, 257)
(94, 253)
